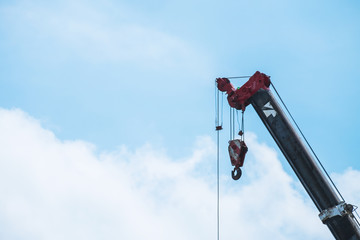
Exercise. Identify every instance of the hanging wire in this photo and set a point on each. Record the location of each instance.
(231, 124)
(297, 126)
(242, 127)
(222, 107)
(218, 187)
(218, 109)
(233, 109)
(218, 127)
(238, 121)
(216, 106)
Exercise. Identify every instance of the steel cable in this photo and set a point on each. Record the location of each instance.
(218, 124)
(218, 187)
(297, 126)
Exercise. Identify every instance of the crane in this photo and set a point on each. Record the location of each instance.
(334, 211)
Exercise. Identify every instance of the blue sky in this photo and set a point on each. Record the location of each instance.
(125, 74)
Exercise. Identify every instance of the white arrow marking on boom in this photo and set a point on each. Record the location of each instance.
(269, 110)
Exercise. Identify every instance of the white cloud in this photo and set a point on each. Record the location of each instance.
(347, 184)
(52, 189)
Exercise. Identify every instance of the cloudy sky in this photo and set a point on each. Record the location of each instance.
(107, 116)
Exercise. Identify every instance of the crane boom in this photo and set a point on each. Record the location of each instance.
(335, 213)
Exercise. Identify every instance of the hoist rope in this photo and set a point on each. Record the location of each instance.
(218, 187)
(231, 122)
(216, 106)
(222, 108)
(241, 126)
(297, 126)
(238, 121)
(218, 123)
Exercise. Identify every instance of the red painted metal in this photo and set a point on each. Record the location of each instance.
(237, 152)
(239, 98)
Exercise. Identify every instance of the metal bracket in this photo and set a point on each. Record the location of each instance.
(341, 210)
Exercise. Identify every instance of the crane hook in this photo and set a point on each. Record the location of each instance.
(236, 173)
